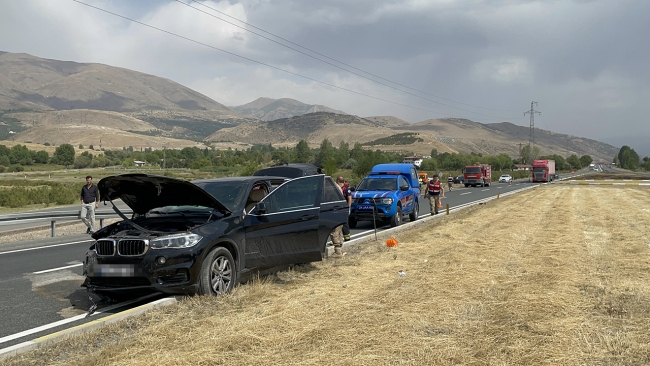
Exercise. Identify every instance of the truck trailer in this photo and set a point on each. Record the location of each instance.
(477, 175)
(543, 171)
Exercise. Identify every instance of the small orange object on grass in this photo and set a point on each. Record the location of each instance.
(392, 242)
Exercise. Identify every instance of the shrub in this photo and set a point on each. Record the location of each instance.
(15, 168)
(14, 197)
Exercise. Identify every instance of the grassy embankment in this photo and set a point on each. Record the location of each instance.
(556, 275)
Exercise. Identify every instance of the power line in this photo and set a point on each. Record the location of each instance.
(257, 62)
(341, 62)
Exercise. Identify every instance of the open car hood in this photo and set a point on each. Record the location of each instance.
(143, 192)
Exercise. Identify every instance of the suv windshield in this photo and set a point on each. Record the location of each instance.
(377, 184)
(229, 193)
(472, 170)
(539, 170)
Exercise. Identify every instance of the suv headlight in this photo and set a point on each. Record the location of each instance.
(386, 201)
(175, 241)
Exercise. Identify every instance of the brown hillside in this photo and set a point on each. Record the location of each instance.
(312, 128)
(388, 121)
(445, 135)
(36, 83)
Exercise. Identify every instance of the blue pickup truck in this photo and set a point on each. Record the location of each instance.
(387, 193)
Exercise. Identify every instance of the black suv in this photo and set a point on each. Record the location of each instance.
(203, 237)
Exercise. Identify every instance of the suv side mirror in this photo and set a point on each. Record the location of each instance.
(353, 189)
(260, 208)
(404, 188)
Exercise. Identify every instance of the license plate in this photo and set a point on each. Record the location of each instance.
(365, 207)
(114, 270)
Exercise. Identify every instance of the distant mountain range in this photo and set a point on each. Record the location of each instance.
(53, 101)
(268, 109)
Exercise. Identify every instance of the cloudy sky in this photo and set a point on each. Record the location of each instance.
(585, 62)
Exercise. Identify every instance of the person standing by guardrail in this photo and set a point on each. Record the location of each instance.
(89, 202)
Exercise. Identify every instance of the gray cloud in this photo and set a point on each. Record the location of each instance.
(584, 61)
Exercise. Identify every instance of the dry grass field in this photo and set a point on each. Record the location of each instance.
(558, 275)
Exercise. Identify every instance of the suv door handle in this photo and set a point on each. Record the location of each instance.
(307, 217)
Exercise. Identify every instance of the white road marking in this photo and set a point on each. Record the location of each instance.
(46, 246)
(465, 193)
(483, 190)
(58, 269)
(69, 320)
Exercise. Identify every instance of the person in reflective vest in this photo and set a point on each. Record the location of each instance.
(435, 191)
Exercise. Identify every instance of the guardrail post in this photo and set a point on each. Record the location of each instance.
(101, 223)
(447, 209)
(53, 228)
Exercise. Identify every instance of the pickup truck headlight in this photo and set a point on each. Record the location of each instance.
(175, 241)
(386, 201)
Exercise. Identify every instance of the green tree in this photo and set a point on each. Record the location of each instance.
(81, 147)
(429, 165)
(330, 165)
(82, 161)
(646, 162)
(325, 152)
(343, 153)
(64, 155)
(574, 162)
(628, 158)
(357, 152)
(20, 154)
(585, 160)
(434, 152)
(303, 153)
(370, 159)
(41, 157)
(4, 151)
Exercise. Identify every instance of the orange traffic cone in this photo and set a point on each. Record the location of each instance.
(439, 203)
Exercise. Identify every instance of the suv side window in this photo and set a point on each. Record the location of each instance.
(297, 194)
(403, 182)
(332, 191)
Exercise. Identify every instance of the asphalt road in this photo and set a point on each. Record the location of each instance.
(40, 280)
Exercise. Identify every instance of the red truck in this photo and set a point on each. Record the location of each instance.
(477, 174)
(543, 171)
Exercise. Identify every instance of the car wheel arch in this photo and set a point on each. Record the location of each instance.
(228, 244)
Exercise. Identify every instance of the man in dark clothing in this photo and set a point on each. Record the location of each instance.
(345, 187)
(89, 202)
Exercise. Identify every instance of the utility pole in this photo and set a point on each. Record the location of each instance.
(531, 136)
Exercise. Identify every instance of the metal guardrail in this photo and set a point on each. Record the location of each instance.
(53, 216)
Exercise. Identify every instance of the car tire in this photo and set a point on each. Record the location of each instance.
(416, 212)
(466, 185)
(218, 273)
(397, 219)
(352, 223)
